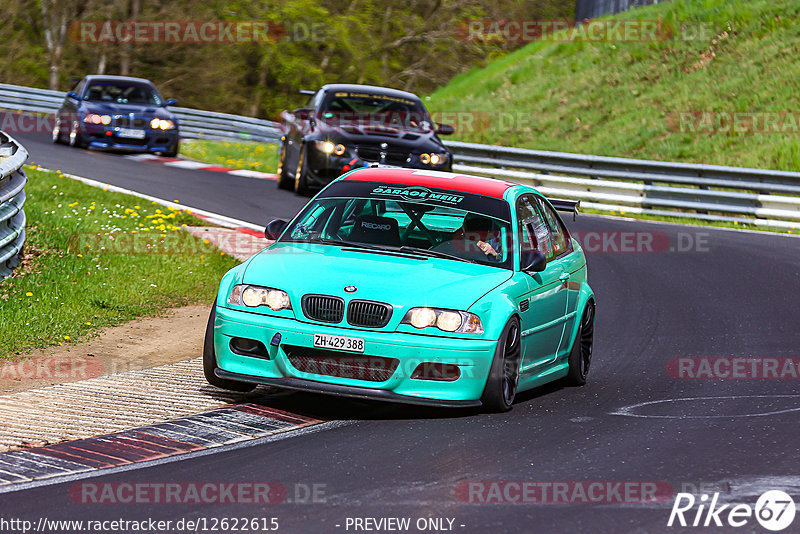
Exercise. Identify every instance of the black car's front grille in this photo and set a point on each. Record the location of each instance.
(124, 121)
(341, 364)
(323, 308)
(394, 156)
(369, 314)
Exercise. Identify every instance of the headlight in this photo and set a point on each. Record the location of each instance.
(446, 320)
(94, 118)
(162, 124)
(255, 296)
(325, 146)
(433, 158)
(438, 159)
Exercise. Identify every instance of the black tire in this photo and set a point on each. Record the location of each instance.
(75, 137)
(580, 357)
(210, 361)
(285, 180)
(300, 184)
(501, 386)
(172, 151)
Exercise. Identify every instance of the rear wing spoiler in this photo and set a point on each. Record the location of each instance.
(568, 206)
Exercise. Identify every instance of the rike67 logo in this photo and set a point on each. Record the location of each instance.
(774, 510)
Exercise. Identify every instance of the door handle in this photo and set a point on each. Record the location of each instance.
(564, 276)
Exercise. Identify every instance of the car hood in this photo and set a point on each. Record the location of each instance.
(374, 133)
(113, 108)
(404, 282)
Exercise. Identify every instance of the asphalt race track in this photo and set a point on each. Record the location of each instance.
(717, 293)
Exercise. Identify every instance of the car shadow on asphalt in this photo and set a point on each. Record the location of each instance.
(330, 407)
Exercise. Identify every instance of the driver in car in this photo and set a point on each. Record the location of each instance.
(481, 232)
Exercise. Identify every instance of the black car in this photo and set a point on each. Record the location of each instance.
(117, 113)
(349, 126)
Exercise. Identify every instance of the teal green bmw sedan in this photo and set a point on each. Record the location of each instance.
(409, 286)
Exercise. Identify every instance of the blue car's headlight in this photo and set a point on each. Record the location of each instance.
(446, 320)
(255, 296)
(162, 124)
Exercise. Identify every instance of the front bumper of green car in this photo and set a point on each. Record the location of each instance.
(395, 366)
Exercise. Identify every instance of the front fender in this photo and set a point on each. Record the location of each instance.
(495, 309)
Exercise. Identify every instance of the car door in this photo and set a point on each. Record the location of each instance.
(570, 263)
(299, 127)
(543, 303)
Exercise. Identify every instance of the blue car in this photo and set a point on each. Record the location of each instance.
(117, 113)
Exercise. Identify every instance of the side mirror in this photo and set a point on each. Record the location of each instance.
(73, 95)
(445, 129)
(533, 261)
(171, 102)
(302, 114)
(275, 228)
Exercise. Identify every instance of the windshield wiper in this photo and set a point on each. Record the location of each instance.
(434, 253)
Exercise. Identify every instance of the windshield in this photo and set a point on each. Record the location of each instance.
(412, 227)
(375, 109)
(122, 93)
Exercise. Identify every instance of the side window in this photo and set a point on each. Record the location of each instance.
(312, 222)
(559, 238)
(533, 231)
(79, 88)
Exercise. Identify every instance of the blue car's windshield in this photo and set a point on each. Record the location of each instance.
(122, 93)
(415, 227)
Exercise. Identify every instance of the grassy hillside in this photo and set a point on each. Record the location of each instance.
(625, 98)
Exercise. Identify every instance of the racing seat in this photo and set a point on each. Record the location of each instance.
(375, 230)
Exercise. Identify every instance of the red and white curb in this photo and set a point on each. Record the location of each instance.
(199, 165)
(217, 428)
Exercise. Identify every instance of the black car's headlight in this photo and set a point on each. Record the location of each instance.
(255, 296)
(446, 320)
(329, 147)
(162, 124)
(434, 158)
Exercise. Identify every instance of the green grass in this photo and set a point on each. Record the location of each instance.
(622, 99)
(69, 286)
(235, 154)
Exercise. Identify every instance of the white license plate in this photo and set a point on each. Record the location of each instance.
(131, 133)
(352, 344)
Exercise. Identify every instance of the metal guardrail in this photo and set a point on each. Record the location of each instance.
(707, 192)
(192, 123)
(12, 201)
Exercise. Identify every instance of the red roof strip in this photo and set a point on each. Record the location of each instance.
(440, 180)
